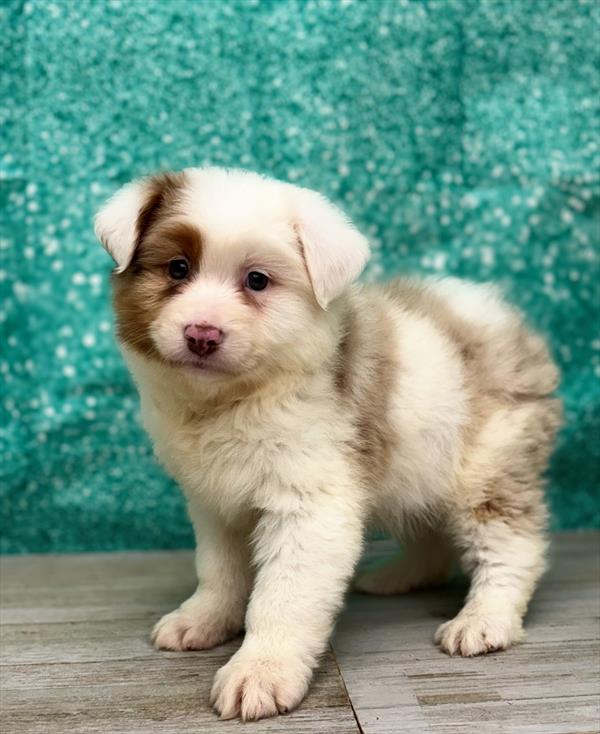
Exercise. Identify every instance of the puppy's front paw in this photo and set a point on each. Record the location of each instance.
(255, 687)
(181, 630)
(477, 632)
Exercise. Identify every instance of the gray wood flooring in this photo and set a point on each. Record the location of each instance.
(75, 656)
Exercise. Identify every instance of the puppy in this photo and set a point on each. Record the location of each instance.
(296, 410)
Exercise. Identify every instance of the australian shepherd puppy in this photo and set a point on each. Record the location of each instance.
(296, 410)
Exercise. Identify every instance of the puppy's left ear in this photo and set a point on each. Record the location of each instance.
(334, 250)
(116, 224)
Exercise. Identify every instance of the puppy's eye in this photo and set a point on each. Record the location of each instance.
(179, 268)
(256, 281)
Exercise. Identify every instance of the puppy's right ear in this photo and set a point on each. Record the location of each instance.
(116, 224)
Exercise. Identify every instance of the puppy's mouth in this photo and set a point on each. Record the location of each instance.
(222, 361)
(211, 364)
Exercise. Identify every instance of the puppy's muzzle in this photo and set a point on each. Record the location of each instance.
(201, 339)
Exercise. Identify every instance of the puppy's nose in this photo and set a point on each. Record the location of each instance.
(202, 340)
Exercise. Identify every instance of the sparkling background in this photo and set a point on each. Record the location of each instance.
(461, 135)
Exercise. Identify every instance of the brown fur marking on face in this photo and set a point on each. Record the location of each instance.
(162, 196)
(142, 289)
(366, 341)
(166, 241)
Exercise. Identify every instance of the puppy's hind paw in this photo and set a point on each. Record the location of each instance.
(471, 633)
(399, 576)
(381, 581)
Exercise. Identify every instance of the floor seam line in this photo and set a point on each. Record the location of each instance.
(337, 665)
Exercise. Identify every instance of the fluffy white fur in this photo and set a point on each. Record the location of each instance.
(268, 450)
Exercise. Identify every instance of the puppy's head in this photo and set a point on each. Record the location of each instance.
(226, 272)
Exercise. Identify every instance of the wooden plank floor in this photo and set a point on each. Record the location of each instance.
(76, 657)
(550, 684)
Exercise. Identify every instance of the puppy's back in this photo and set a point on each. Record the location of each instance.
(491, 336)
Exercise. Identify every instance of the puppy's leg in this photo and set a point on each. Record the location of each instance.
(427, 561)
(215, 612)
(305, 557)
(505, 565)
(499, 522)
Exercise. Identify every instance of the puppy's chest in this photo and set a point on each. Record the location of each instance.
(225, 460)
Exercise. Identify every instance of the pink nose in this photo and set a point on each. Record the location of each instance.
(202, 340)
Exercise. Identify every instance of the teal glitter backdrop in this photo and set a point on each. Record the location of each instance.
(461, 135)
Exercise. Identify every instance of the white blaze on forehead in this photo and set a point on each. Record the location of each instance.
(230, 206)
(239, 208)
